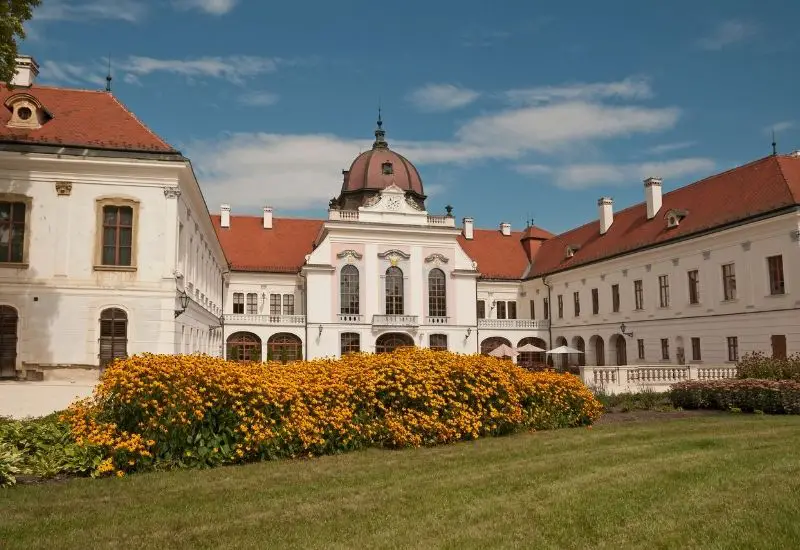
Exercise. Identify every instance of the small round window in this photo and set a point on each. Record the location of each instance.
(24, 113)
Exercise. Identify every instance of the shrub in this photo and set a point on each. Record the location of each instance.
(196, 411)
(761, 366)
(10, 462)
(768, 396)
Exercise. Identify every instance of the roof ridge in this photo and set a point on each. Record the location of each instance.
(783, 175)
(138, 121)
(257, 216)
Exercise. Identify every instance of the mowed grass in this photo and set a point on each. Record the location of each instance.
(715, 481)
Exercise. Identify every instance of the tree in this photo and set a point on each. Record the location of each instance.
(13, 14)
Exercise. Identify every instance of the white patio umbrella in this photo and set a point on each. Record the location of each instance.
(530, 348)
(503, 351)
(562, 350)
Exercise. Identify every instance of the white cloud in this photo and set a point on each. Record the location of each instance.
(442, 97)
(73, 74)
(670, 147)
(727, 33)
(779, 127)
(584, 176)
(63, 10)
(233, 68)
(259, 99)
(214, 7)
(628, 88)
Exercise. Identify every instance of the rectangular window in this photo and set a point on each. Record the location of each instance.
(638, 294)
(663, 290)
(775, 268)
(576, 298)
(12, 231)
(481, 309)
(512, 310)
(350, 342)
(288, 304)
(665, 349)
(640, 346)
(252, 303)
(595, 301)
(533, 309)
(501, 310)
(729, 282)
(546, 307)
(274, 304)
(438, 342)
(733, 348)
(779, 346)
(117, 236)
(560, 306)
(696, 349)
(694, 286)
(615, 298)
(238, 302)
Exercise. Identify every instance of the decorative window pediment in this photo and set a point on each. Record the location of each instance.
(674, 217)
(26, 111)
(437, 258)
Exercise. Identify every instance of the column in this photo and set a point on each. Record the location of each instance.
(62, 229)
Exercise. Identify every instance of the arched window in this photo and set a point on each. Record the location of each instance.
(490, 344)
(8, 342)
(243, 346)
(113, 335)
(284, 347)
(437, 294)
(348, 290)
(387, 343)
(394, 291)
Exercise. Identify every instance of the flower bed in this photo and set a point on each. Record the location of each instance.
(762, 366)
(768, 396)
(194, 411)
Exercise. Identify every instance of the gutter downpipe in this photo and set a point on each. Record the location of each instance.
(549, 315)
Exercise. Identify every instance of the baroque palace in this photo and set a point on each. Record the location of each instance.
(107, 249)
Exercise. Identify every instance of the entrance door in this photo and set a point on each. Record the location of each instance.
(8, 342)
(779, 346)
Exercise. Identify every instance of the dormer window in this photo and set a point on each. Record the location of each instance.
(571, 250)
(674, 217)
(26, 112)
(387, 169)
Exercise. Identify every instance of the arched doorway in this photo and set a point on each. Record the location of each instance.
(490, 344)
(562, 359)
(284, 347)
(579, 344)
(619, 349)
(243, 346)
(532, 359)
(597, 350)
(387, 343)
(8, 342)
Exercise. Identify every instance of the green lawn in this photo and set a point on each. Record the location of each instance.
(716, 481)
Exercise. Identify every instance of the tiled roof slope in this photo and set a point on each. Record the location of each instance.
(499, 256)
(81, 118)
(282, 249)
(760, 187)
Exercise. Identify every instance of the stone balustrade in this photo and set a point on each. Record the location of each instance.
(536, 324)
(264, 320)
(395, 320)
(635, 378)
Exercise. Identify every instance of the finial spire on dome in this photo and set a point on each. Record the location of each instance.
(380, 134)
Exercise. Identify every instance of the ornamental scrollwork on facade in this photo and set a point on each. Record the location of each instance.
(394, 252)
(63, 188)
(437, 258)
(349, 254)
(172, 192)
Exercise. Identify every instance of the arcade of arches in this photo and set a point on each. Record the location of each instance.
(594, 354)
(387, 343)
(246, 346)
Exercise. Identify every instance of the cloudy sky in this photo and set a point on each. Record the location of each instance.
(515, 111)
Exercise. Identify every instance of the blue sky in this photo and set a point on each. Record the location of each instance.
(524, 109)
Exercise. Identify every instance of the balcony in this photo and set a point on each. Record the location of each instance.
(447, 221)
(343, 215)
(437, 320)
(351, 318)
(534, 324)
(395, 321)
(264, 320)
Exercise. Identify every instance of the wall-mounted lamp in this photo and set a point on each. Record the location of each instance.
(469, 331)
(184, 301)
(320, 331)
(622, 330)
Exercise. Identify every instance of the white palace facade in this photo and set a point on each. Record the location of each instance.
(107, 249)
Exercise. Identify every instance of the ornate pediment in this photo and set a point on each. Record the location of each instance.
(437, 259)
(390, 200)
(349, 254)
(394, 256)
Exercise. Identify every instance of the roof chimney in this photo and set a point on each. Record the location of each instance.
(225, 215)
(606, 208)
(505, 228)
(468, 232)
(26, 70)
(267, 217)
(652, 193)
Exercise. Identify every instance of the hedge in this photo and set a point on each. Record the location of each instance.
(768, 396)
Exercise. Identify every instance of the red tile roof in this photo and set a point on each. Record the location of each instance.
(282, 249)
(81, 118)
(499, 256)
(760, 187)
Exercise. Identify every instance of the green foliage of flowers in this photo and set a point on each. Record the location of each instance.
(748, 395)
(762, 366)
